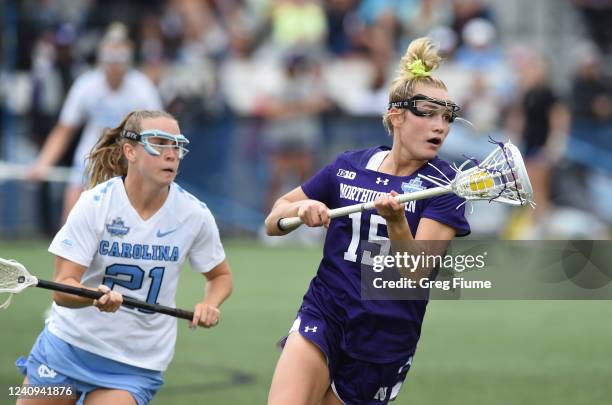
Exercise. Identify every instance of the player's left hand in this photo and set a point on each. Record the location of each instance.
(390, 209)
(205, 315)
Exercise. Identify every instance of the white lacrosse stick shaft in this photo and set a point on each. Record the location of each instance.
(502, 176)
(14, 278)
(287, 224)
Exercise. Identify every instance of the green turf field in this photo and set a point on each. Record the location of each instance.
(471, 352)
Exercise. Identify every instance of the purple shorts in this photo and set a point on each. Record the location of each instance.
(353, 381)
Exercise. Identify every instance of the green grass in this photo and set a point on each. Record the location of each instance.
(471, 352)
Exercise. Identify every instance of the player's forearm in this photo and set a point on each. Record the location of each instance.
(217, 290)
(402, 242)
(282, 209)
(70, 300)
(55, 145)
(399, 230)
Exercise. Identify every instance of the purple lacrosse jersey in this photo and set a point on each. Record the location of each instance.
(378, 331)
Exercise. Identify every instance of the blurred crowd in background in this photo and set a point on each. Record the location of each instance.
(268, 91)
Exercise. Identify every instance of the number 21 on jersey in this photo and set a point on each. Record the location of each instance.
(135, 280)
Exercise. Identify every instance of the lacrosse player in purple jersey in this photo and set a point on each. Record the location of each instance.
(348, 350)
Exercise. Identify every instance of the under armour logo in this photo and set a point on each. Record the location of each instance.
(384, 182)
(310, 329)
(46, 372)
(381, 394)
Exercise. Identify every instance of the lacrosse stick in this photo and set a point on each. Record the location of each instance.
(501, 177)
(14, 278)
(13, 171)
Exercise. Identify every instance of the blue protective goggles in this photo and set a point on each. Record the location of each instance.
(156, 141)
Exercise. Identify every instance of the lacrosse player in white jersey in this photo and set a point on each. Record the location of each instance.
(99, 99)
(129, 234)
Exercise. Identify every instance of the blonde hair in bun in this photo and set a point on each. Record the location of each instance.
(415, 67)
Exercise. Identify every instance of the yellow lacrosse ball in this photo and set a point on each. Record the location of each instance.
(481, 181)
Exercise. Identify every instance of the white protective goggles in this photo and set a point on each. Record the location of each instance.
(110, 55)
(156, 141)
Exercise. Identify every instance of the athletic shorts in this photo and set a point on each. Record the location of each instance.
(54, 361)
(353, 381)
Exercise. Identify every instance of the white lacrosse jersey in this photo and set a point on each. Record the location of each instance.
(91, 102)
(137, 258)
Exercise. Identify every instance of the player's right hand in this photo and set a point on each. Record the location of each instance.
(36, 172)
(314, 213)
(110, 301)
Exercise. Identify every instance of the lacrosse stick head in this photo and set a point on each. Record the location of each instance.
(14, 278)
(500, 177)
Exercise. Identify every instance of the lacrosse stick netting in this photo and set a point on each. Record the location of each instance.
(13, 279)
(500, 177)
